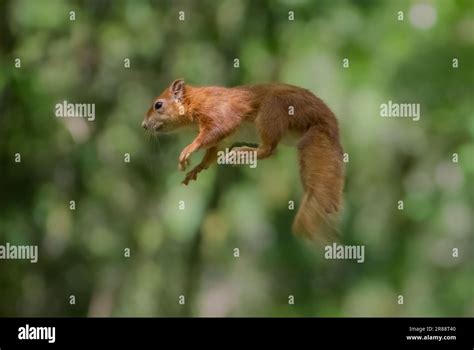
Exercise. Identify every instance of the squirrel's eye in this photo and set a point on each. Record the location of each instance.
(158, 105)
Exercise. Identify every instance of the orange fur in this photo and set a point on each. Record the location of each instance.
(220, 111)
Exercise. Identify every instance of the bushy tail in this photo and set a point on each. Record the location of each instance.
(322, 175)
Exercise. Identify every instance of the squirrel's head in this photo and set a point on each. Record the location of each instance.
(168, 111)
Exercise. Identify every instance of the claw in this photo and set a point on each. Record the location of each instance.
(192, 175)
(182, 164)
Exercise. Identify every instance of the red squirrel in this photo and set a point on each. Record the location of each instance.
(219, 112)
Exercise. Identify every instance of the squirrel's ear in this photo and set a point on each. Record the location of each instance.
(177, 89)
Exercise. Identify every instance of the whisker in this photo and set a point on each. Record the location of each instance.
(154, 147)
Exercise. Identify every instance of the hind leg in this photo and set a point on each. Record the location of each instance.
(271, 124)
(263, 151)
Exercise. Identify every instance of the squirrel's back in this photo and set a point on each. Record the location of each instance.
(301, 107)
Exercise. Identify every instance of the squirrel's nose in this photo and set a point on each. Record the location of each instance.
(144, 126)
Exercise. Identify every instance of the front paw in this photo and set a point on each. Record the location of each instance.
(192, 175)
(183, 160)
(182, 165)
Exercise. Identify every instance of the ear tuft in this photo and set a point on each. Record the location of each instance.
(177, 89)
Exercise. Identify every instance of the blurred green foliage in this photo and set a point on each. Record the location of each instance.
(190, 252)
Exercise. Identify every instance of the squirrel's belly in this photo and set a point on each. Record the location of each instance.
(245, 133)
(248, 133)
(290, 138)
